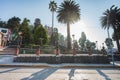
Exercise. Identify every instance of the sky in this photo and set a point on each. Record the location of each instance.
(90, 10)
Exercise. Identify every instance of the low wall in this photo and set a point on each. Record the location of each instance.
(63, 59)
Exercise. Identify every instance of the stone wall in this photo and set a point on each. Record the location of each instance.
(63, 59)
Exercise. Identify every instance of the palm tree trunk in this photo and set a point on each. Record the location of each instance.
(52, 21)
(108, 33)
(68, 37)
(117, 39)
(52, 28)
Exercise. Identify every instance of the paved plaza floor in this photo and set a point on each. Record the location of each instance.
(59, 74)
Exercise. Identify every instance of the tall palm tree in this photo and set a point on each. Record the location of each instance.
(52, 7)
(110, 19)
(68, 13)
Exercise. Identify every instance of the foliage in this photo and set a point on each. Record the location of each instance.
(68, 13)
(2, 24)
(13, 24)
(55, 37)
(111, 19)
(61, 39)
(52, 6)
(75, 45)
(31, 27)
(82, 40)
(24, 28)
(36, 23)
(109, 43)
(85, 43)
(40, 35)
(118, 34)
(90, 45)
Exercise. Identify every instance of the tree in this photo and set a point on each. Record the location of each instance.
(52, 7)
(61, 40)
(90, 45)
(13, 24)
(68, 13)
(93, 45)
(118, 34)
(24, 28)
(55, 37)
(82, 40)
(111, 19)
(40, 36)
(36, 23)
(2, 24)
(109, 43)
(75, 45)
(31, 27)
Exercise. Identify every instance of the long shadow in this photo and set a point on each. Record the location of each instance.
(103, 74)
(9, 70)
(41, 75)
(71, 74)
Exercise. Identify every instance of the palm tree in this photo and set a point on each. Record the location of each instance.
(68, 13)
(52, 7)
(110, 19)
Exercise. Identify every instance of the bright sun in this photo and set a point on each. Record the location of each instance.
(80, 25)
(77, 28)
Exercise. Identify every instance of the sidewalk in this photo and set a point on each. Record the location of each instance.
(7, 61)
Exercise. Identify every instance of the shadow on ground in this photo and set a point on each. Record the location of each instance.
(41, 75)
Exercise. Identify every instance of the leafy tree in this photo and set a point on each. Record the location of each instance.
(61, 40)
(111, 19)
(90, 45)
(25, 31)
(2, 24)
(75, 45)
(82, 40)
(118, 34)
(93, 45)
(13, 24)
(36, 23)
(52, 7)
(40, 35)
(68, 13)
(31, 27)
(109, 43)
(55, 37)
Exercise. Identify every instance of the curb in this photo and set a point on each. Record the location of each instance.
(34, 66)
(53, 66)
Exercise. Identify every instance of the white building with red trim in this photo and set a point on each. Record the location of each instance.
(4, 35)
